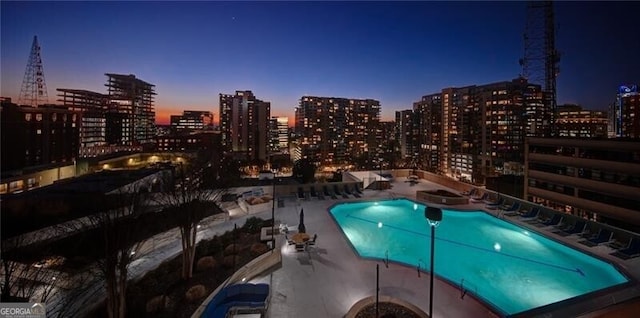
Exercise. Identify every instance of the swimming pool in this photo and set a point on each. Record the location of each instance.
(512, 269)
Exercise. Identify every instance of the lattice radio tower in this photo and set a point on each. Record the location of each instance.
(540, 64)
(34, 89)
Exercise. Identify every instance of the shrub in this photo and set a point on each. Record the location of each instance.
(205, 263)
(157, 303)
(253, 225)
(195, 292)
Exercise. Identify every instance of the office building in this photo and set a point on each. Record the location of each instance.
(624, 114)
(472, 132)
(595, 179)
(91, 107)
(573, 121)
(130, 117)
(37, 136)
(406, 133)
(279, 134)
(244, 123)
(335, 130)
(189, 142)
(191, 120)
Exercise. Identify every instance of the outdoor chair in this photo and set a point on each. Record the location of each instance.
(530, 214)
(480, 198)
(604, 236)
(554, 220)
(512, 210)
(313, 240)
(632, 251)
(495, 205)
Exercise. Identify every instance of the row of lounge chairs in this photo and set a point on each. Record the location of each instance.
(590, 233)
(331, 191)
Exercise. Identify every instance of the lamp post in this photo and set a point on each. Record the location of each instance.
(273, 209)
(434, 216)
(380, 165)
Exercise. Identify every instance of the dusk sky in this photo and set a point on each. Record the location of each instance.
(389, 51)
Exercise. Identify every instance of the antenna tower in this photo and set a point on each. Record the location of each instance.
(34, 88)
(540, 64)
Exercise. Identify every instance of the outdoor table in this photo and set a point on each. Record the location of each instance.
(300, 238)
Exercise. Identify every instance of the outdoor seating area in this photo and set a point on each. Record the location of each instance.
(239, 298)
(589, 233)
(328, 190)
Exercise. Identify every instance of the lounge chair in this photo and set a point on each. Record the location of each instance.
(319, 193)
(620, 243)
(480, 198)
(338, 192)
(312, 191)
(554, 220)
(512, 210)
(604, 236)
(348, 191)
(300, 193)
(577, 228)
(358, 191)
(533, 213)
(633, 250)
(495, 205)
(470, 193)
(328, 193)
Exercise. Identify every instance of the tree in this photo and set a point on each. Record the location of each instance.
(186, 207)
(304, 170)
(24, 277)
(118, 229)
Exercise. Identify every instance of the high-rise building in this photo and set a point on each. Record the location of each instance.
(279, 134)
(473, 132)
(92, 107)
(573, 121)
(595, 179)
(130, 115)
(624, 114)
(336, 130)
(191, 120)
(34, 136)
(244, 123)
(406, 132)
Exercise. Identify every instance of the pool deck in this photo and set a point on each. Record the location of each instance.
(328, 279)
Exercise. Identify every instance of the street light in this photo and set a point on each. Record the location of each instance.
(273, 209)
(380, 165)
(434, 216)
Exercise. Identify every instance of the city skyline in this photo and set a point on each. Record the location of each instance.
(284, 50)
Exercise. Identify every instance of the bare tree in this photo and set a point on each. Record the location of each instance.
(25, 276)
(117, 226)
(187, 204)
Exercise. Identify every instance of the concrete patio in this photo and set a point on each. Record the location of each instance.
(328, 279)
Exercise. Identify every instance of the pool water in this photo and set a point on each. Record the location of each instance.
(507, 266)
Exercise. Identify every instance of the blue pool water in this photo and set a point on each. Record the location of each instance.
(507, 266)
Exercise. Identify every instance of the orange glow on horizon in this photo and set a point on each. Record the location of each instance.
(163, 116)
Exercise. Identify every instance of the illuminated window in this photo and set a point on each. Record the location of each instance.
(27, 117)
(39, 117)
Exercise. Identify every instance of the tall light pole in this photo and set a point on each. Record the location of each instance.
(273, 210)
(434, 216)
(380, 165)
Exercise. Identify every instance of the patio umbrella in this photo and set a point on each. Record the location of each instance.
(301, 228)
